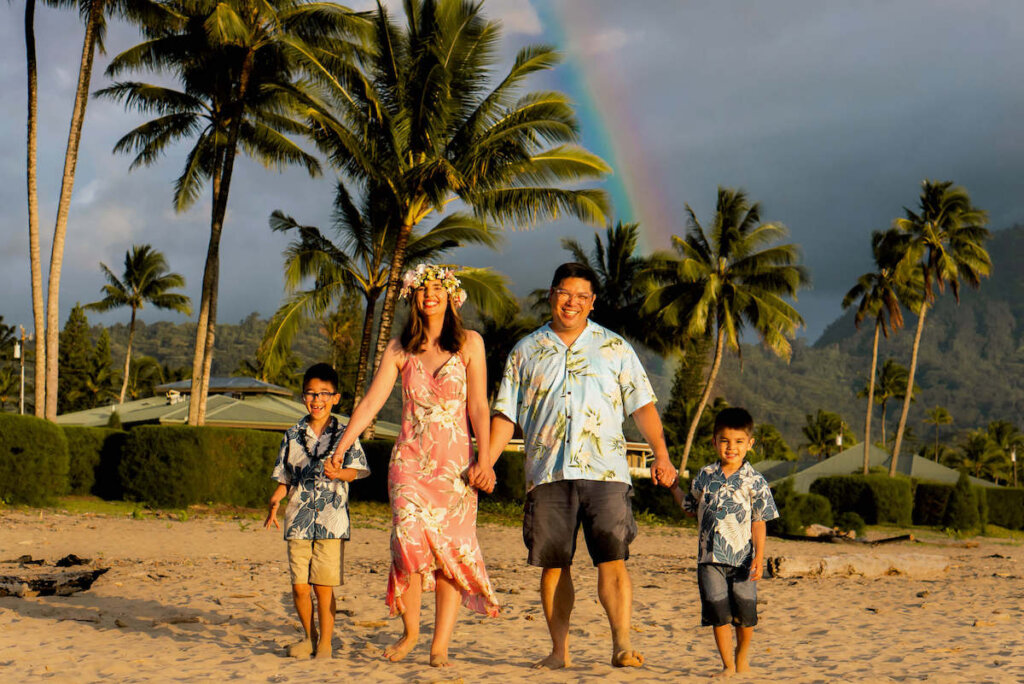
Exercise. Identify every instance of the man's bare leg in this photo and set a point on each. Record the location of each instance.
(410, 620)
(743, 637)
(557, 596)
(303, 600)
(723, 640)
(325, 609)
(446, 610)
(615, 590)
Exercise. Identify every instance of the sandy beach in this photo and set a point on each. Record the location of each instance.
(207, 599)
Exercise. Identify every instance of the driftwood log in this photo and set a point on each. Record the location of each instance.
(916, 565)
(26, 576)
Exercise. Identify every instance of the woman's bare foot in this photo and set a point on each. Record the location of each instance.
(400, 648)
(726, 672)
(439, 660)
(553, 662)
(301, 649)
(627, 658)
(323, 650)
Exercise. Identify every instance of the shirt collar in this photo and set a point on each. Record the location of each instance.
(588, 329)
(332, 424)
(739, 471)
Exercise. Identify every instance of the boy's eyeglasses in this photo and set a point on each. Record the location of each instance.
(566, 296)
(311, 396)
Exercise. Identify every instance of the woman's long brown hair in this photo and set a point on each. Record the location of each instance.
(414, 334)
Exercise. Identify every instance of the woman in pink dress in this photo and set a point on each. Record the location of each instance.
(433, 533)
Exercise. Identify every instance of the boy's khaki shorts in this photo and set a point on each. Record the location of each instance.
(317, 561)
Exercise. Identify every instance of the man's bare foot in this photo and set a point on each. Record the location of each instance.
(301, 649)
(439, 660)
(553, 662)
(627, 658)
(400, 648)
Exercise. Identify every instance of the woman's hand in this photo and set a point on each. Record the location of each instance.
(482, 477)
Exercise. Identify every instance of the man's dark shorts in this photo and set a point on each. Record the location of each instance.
(555, 511)
(727, 596)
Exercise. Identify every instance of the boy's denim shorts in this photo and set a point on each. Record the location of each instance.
(727, 596)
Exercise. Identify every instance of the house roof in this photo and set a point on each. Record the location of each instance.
(231, 385)
(851, 460)
(259, 412)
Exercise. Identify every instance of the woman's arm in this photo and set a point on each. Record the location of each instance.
(481, 475)
(380, 390)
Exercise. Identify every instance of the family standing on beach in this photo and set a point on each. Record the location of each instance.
(567, 386)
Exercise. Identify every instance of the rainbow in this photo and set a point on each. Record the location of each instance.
(638, 191)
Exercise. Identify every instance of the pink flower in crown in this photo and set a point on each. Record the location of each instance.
(416, 277)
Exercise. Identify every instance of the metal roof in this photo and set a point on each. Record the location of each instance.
(231, 385)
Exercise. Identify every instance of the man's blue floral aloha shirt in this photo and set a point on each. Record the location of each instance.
(317, 505)
(726, 506)
(570, 402)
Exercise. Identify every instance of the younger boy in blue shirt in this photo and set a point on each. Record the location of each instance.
(316, 521)
(732, 502)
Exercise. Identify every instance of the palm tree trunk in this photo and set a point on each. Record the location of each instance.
(712, 375)
(202, 358)
(364, 347)
(871, 400)
(910, 390)
(64, 206)
(884, 401)
(38, 320)
(387, 313)
(128, 357)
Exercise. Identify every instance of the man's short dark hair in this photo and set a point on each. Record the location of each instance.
(734, 418)
(574, 269)
(321, 371)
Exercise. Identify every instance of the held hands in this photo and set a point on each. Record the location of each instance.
(482, 477)
(663, 472)
(332, 468)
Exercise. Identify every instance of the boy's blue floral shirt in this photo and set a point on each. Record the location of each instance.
(726, 506)
(317, 505)
(570, 403)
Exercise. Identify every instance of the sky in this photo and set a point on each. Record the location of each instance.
(828, 114)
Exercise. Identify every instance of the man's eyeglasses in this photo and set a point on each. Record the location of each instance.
(312, 396)
(566, 296)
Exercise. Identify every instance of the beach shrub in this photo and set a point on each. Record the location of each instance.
(95, 455)
(962, 511)
(812, 509)
(175, 466)
(1006, 507)
(797, 511)
(33, 460)
(930, 502)
(876, 498)
(851, 522)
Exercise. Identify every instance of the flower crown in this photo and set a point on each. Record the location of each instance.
(416, 277)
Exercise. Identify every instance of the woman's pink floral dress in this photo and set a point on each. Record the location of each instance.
(433, 524)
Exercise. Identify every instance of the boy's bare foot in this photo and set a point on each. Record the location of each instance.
(400, 649)
(439, 660)
(301, 649)
(627, 658)
(553, 662)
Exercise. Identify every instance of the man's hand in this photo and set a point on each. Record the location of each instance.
(663, 472)
(272, 516)
(332, 469)
(756, 569)
(482, 477)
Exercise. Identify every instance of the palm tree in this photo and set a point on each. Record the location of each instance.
(724, 279)
(769, 444)
(95, 13)
(239, 63)
(144, 279)
(878, 295)
(891, 384)
(38, 312)
(146, 373)
(947, 237)
(981, 456)
(825, 432)
(360, 262)
(1008, 439)
(423, 122)
(938, 416)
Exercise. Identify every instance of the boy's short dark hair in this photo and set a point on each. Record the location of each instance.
(734, 418)
(574, 269)
(320, 371)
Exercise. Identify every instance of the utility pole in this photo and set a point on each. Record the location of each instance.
(1013, 464)
(19, 353)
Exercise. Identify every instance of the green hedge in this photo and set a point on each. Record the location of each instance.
(176, 466)
(797, 511)
(876, 498)
(930, 502)
(95, 455)
(33, 460)
(1006, 507)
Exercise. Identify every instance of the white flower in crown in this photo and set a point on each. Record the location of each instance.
(416, 277)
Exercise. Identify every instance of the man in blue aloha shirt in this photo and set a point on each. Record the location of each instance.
(568, 385)
(733, 503)
(316, 522)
